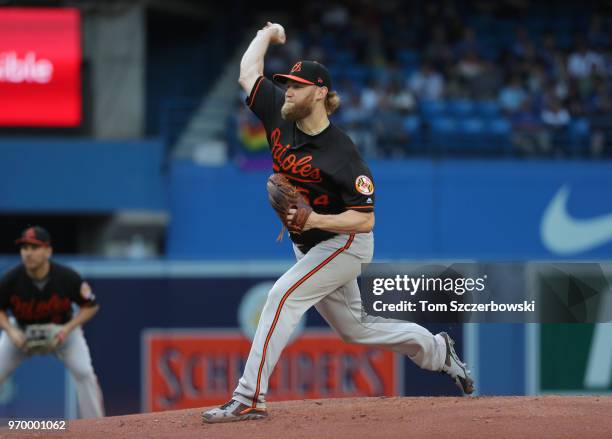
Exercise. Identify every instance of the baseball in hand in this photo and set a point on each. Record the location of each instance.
(278, 34)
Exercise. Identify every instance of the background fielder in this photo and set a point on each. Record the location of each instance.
(40, 291)
(324, 164)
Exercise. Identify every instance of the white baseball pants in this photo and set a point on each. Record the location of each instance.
(74, 353)
(326, 277)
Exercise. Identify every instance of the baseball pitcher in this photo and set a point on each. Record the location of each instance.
(324, 195)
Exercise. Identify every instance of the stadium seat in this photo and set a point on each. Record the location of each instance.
(472, 126)
(412, 124)
(500, 126)
(487, 109)
(498, 133)
(442, 133)
(408, 58)
(433, 109)
(461, 107)
(578, 136)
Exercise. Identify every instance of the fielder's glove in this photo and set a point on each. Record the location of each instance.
(43, 339)
(284, 196)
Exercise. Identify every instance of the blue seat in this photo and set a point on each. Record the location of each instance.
(412, 124)
(408, 57)
(472, 126)
(356, 73)
(442, 133)
(487, 109)
(433, 109)
(408, 71)
(469, 135)
(579, 128)
(491, 52)
(499, 135)
(343, 56)
(443, 124)
(499, 126)
(461, 107)
(578, 136)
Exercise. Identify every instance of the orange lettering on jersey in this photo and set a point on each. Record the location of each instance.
(39, 310)
(289, 164)
(321, 200)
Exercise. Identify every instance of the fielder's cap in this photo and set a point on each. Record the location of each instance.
(34, 235)
(307, 72)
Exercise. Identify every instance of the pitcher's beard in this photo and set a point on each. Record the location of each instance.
(292, 112)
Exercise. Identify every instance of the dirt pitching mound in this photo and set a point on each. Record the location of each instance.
(425, 417)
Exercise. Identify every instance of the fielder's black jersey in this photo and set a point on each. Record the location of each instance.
(52, 304)
(326, 168)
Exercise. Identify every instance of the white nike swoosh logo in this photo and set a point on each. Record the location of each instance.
(565, 235)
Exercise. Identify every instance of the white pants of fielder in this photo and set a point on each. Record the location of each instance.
(326, 277)
(74, 353)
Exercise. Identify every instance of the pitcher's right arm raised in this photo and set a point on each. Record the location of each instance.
(252, 63)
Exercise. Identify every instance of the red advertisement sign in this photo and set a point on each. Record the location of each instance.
(201, 368)
(40, 60)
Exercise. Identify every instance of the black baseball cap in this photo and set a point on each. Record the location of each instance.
(35, 235)
(307, 72)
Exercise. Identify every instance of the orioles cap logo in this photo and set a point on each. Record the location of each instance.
(297, 67)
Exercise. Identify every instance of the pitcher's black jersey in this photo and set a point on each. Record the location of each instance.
(326, 168)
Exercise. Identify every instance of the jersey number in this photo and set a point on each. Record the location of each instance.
(321, 200)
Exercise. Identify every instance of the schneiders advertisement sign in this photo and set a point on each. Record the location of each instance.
(40, 60)
(195, 368)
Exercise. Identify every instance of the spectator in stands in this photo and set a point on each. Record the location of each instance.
(469, 70)
(583, 61)
(336, 16)
(574, 102)
(529, 134)
(522, 43)
(400, 98)
(600, 119)
(597, 36)
(468, 44)
(529, 57)
(444, 14)
(551, 56)
(607, 57)
(371, 95)
(353, 114)
(414, 51)
(438, 51)
(600, 101)
(392, 138)
(556, 119)
(470, 67)
(512, 96)
(536, 78)
(427, 84)
(355, 118)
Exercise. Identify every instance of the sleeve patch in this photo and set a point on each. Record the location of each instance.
(86, 292)
(364, 185)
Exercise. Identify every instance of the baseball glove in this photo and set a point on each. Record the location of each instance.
(284, 196)
(42, 339)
